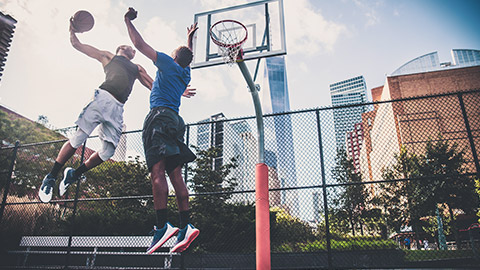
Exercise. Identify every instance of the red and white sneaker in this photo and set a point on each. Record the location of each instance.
(185, 238)
(160, 236)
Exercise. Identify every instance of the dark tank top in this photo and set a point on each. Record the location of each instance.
(120, 74)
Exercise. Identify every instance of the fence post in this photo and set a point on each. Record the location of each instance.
(9, 180)
(324, 188)
(469, 132)
(187, 142)
(75, 202)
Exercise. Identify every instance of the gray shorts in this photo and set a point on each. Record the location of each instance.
(105, 112)
(163, 132)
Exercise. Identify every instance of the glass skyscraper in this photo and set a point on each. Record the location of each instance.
(351, 91)
(275, 99)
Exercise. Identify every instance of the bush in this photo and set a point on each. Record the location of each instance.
(29, 219)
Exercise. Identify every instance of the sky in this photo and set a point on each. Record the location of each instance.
(327, 41)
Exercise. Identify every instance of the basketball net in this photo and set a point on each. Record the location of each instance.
(229, 36)
(230, 55)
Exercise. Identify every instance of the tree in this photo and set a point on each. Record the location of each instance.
(450, 186)
(128, 215)
(435, 178)
(398, 199)
(351, 200)
(212, 210)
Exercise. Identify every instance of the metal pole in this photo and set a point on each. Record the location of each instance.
(324, 189)
(469, 133)
(262, 212)
(187, 142)
(258, 110)
(9, 180)
(75, 202)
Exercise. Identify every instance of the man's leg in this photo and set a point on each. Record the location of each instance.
(188, 233)
(71, 175)
(66, 152)
(180, 187)
(164, 230)
(159, 185)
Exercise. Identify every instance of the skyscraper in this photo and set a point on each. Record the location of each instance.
(351, 91)
(275, 99)
(212, 135)
(7, 27)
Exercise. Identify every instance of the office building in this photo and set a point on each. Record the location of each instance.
(7, 28)
(275, 99)
(347, 92)
(412, 123)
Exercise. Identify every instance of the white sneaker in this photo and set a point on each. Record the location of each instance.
(67, 180)
(185, 238)
(161, 236)
(46, 190)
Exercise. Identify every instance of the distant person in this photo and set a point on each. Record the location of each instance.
(105, 111)
(407, 242)
(163, 136)
(425, 244)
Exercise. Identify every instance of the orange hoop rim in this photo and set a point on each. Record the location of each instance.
(226, 45)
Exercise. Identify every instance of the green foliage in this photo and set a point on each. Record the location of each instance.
(477, 189)
(349, 213)
(287, 231)
(437, 177)
(217, 218)
(25, 131)
(354, 243)
(29, 219)
(32, 163)
(126, 216)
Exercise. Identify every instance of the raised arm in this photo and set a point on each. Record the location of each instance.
(103, 56)
(144, 78)
(190, 33)
(136, 38)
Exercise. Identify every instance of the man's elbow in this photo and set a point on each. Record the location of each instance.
(139, 44)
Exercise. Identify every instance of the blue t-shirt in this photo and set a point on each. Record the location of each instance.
(170, 83)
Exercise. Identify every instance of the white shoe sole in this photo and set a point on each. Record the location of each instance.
(183, 245)
(62, 188)
(171, 231)
(45, 198)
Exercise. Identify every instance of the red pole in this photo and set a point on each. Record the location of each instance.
(262, 215)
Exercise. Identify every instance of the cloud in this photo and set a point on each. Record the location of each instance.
(308, 32)
(162, 35)
(369, 9)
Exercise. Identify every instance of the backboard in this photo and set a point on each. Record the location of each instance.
(265, 25)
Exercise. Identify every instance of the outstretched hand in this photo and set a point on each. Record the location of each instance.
(191, 30)
(189, 92)
(131, 14)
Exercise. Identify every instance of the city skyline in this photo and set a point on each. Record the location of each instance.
(327, 41)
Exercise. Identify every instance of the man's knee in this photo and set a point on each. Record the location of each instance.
(107, 151)
(78, 138)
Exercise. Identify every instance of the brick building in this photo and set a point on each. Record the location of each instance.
(413, 122)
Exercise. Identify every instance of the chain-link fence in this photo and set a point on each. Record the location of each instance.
(395, 188)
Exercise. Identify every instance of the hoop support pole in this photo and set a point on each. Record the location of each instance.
(262, 211)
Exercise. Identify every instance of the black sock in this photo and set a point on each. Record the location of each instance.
(161, 217)
(80, 170)
(184, 218)
(56, 168)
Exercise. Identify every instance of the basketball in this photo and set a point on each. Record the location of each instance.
(82, 21)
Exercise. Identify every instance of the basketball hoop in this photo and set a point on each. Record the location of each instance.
(229, 36)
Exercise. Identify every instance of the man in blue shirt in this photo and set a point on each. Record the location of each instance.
(163, 133)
